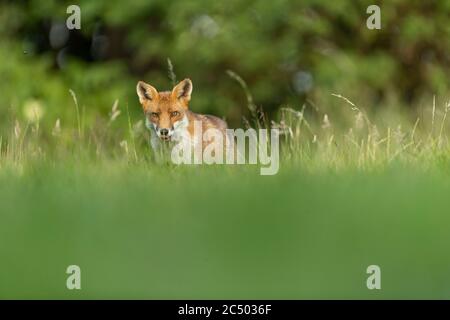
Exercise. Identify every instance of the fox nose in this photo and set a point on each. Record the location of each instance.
(164, 132)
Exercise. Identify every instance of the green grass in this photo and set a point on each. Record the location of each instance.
(349, 193)
(214, 232)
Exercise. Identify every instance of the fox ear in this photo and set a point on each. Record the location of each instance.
(183, 90)
(146, 92)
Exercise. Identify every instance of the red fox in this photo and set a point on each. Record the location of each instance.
(168, 116)
(204, 137)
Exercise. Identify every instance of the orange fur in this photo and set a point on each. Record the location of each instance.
(169, 110)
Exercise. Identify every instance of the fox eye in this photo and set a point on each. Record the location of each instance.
(174, 114)
(154, 114)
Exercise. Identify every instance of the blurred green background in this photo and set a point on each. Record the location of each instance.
(288, 52)
(223, 233)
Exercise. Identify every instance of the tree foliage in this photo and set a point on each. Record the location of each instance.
(288, 52)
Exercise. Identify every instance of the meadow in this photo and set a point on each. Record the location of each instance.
(370, 189)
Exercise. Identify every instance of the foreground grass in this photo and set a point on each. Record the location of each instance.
(213, 232)
(346, 197)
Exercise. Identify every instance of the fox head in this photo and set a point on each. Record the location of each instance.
(166, 110)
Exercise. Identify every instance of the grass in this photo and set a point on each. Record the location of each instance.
(348, 195)
(210, 232)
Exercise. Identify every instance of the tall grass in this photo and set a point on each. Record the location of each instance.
(90, 193)
(310, 138)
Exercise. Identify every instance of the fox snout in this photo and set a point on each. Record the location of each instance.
(164, 133)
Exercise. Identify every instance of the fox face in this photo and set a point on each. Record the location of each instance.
(165, 111)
